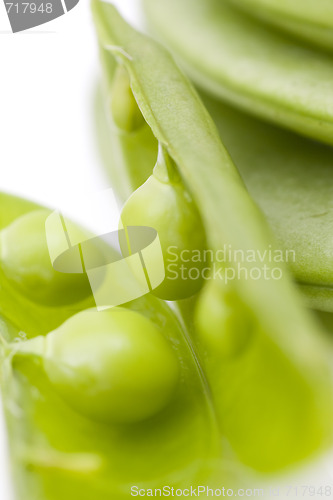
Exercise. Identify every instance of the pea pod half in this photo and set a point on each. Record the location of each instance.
(311, 20)
(182, 125)
(290, 178)
(248, 64)
(100, 401)
(292, 181)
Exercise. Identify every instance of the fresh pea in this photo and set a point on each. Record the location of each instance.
(124, 138)
(230, 326)
(66, 446)
(163, 203)
(26, 263)
(182, 125)
(311, 20)
(291, 179)
(93, 427)
(108, 398)
(248, 64)
(34, 298)
(94, 362)
(294, 192)
(12, 207)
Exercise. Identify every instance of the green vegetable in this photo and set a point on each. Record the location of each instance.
(105, 399)
(60, 449)
(18, 291)
(73, 437)
(124, 109)
(124, 138)
(181, 124)
(163, 203)
(248, 64)
(12, 207)
(292, 181)
(230, 326)
(26, 263)
(95, 362)
(310, 19)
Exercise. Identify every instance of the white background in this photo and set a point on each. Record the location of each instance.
(48, 150)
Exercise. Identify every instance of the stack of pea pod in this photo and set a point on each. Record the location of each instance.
(267, 58)
(148, 112)
(233, 381)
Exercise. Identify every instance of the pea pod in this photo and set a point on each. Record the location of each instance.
(58, 450)
(71, 439)
(248, 64)
(311, 20)
(182, 125)
(291, 179)
(294, 192)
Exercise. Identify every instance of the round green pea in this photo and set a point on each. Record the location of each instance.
(124, 109)
(168, 208)
(113, 366)
(26, 263)
(223, 323)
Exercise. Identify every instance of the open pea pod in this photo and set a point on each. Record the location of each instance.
(58, 451)
(292, 181)
(289, 177)
(288, 349)
(64, 444)
(311, 20)
(248, 64)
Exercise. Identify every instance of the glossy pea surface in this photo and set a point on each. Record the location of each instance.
(26, 263)
(114, 366)
(168, 208)
(224, 326)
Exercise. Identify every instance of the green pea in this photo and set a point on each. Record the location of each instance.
(12, 207)
(124, 109)
(112, 366)
(125, 141)
(164, 204)
(26, 263)
(224, 325)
